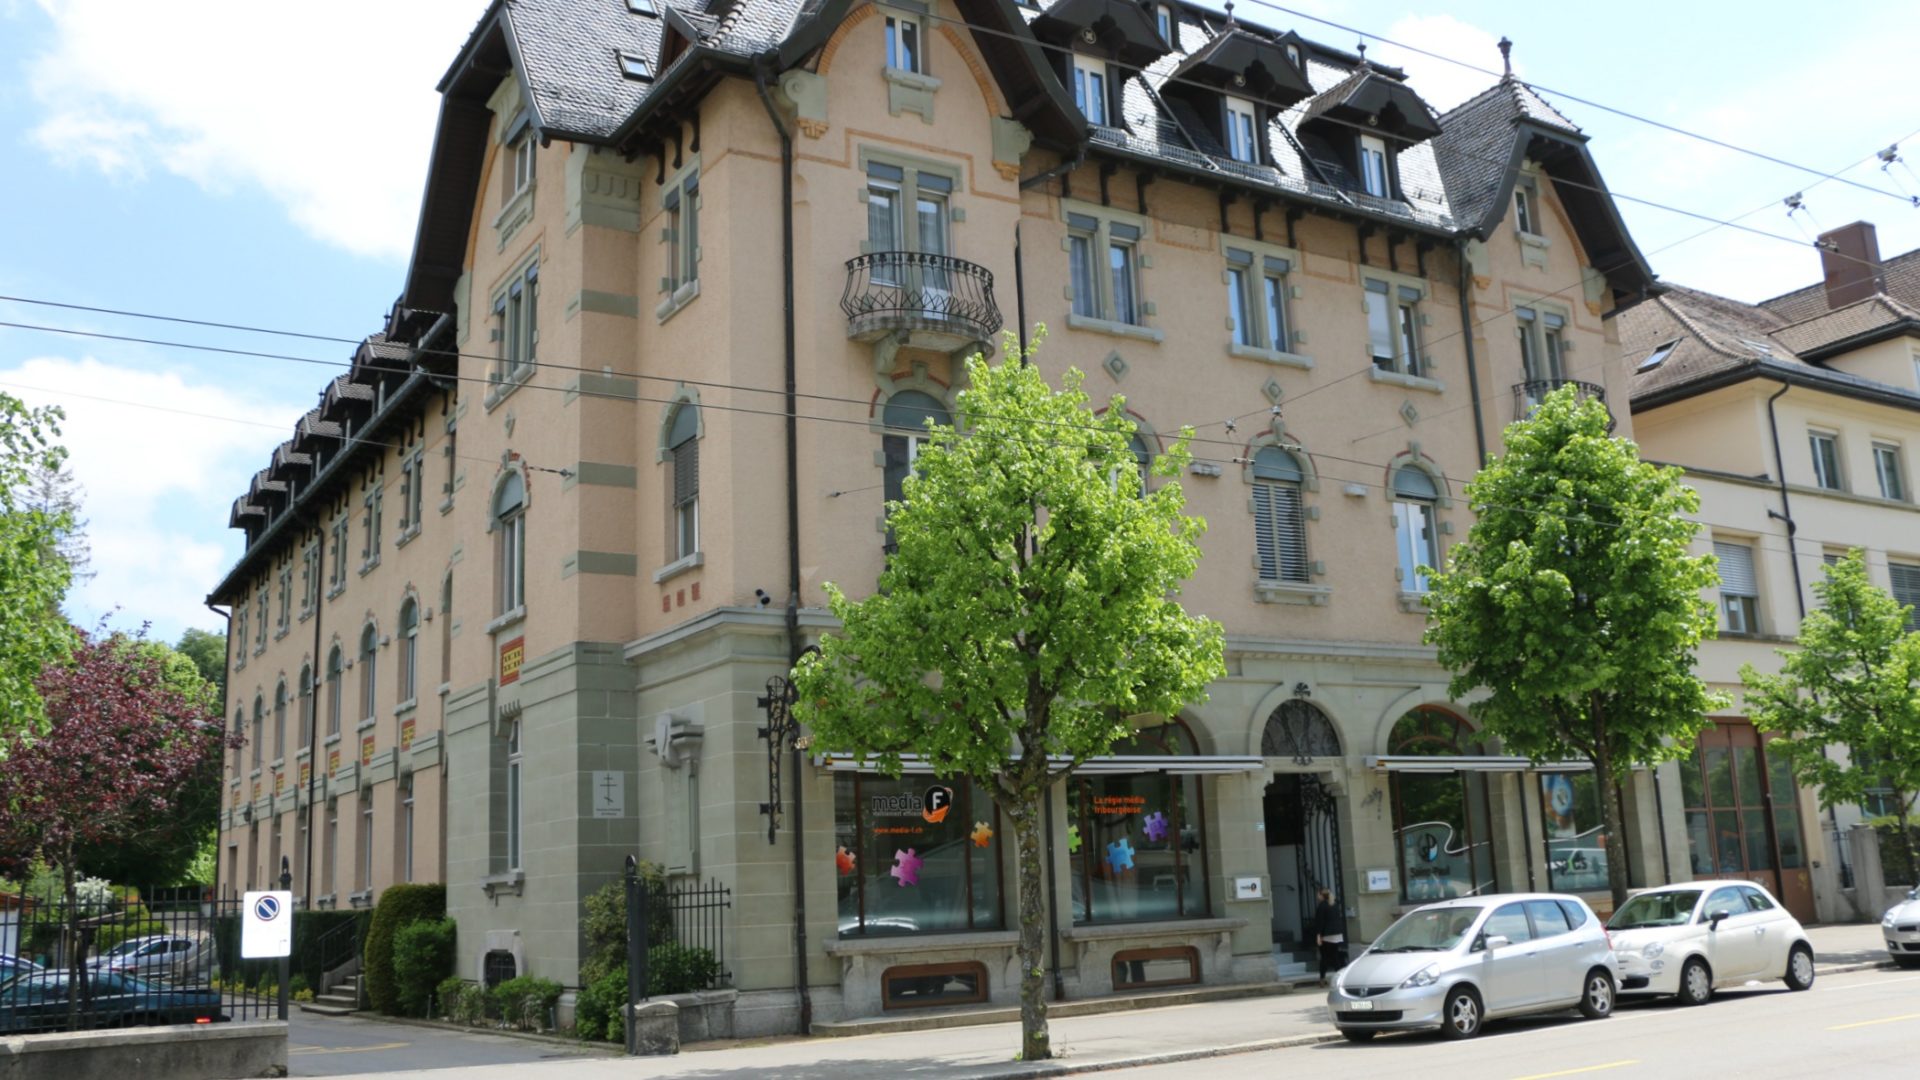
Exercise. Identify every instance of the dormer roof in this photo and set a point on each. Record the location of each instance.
(1240, 61)
(1375, 103)
(1125, 28)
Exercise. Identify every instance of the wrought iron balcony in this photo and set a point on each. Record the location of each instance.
(1528, 395)
(942, 301)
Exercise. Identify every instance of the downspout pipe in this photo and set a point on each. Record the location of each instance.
(760, 69)
(1473, 369)
(313, 718)
(226, 693)
(1786, 501)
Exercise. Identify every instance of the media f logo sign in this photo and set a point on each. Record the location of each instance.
(935, 804)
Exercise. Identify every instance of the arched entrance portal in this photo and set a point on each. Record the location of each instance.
(1302, 829)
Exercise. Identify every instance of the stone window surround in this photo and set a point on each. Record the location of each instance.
(1542, 306)
(1394, 282)
(1289, 592)
(1262, 250)
(504, 380)
(909, 90)
(681, 285)
(912, 166)
(1106, 217)
(1415, 603)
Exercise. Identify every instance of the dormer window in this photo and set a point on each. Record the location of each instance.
(1524, 207)
(1090, 88)
(1373, 166)
(642, 7)
(1243, 140)
(1163, 20)
(1293, 54)
(903, 45)
(635, 68)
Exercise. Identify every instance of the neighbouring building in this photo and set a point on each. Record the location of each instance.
(1797, 419)
(686, 282)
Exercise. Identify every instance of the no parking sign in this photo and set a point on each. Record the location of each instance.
(266, 925)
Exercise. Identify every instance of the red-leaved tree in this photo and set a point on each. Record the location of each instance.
(121, 746)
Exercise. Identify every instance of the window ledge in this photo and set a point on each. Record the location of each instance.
(255, 774)
(361, 899)
(366, 723)
(510, 883)
(1292, 592)
(282, 632)
(863, 944)
(1117, 329)
(406, 536)
(1413, 602)
(1532, 239)
(278, 763)
(517, 212)
(305, 614)
(444, 689)
(331, 740)
(335, 590)
(406, 706)
(303, 754)
(503, 386)
(1156, 928)
(680, 298)
(446, 504)
(680, 566)
(913, 80)
(1271, 356)
(510, 619)
(369, 566)
(1411, 382)
(325, 900)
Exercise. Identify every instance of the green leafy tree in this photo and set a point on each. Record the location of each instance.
(33, 633)
(1028, 610)
(1854, 681)
(208, 651)
(51, 490)
(1574, 606)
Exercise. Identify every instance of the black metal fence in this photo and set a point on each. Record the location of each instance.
(909, 290)
(676, 938)
(119, 961)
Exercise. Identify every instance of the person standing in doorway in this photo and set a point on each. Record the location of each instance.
(1329, 932)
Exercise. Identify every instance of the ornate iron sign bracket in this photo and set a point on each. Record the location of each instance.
(782, 731)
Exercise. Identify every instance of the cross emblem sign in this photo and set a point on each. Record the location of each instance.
(606, 791)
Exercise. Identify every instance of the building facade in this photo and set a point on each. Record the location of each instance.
(686, 284)
(1797, 419)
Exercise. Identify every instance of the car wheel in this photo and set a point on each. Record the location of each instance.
(1800, 968)
(1357, 1035)
(1460, 1017)
(1596, 1001)
(1696, 982)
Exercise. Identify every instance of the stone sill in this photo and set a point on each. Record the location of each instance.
(507, 621)
(1413, 603)
(1290, 592)
(510, 883)
(680, 566)
(1272, 356)
(1411, 382)
(406, 536)
(501, 388)
(1157, 928)
(681, 297)
(911, 79)
(1116, 329)
(910, 943)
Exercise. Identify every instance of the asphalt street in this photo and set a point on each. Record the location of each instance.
(327, 1046)
(1859, 1024)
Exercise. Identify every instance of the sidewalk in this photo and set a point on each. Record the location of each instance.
(1083, 1043)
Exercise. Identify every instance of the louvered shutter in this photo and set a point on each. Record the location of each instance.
(1280, 539)
(1906, 589)
(1736, 569)
(1266, 545)
(686, 472)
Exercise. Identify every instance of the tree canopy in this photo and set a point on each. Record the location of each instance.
(32, 630)
(1573, 605)
(1029, 609)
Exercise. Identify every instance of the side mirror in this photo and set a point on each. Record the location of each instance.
(1497, 941)
(1718, 917)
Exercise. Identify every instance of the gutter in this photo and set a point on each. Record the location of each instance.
(1786, 502)
(1812, 378)
(695, 59)
(1061, 169)
(1473, 368)
(793, 527)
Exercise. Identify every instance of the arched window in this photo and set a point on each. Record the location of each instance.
(259, 728)
(334, 703)
(1298, 729)
(409, 648)
(905, 418)
(1415, 534)
(305, 721)
(280, 721)
(1279, 520)
(240, 752)
(1142, 461)
(510, 551)
(1141, 850)
(369, 670)
(1442, 823)
(683, 444)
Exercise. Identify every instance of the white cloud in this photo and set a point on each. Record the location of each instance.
(160, 462)
(1440, 83)
(327, 108)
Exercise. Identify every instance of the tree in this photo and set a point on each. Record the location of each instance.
(51, 489)
(122, 744)
(32, 631)
(1574, 605)
(1854, 681)
(1028, 611)
(208, 651)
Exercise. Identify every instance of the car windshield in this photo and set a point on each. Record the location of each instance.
(124, 948)
(1427, 930)
(1656, 909)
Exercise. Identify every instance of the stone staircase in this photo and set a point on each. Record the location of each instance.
(1295, 961)
(340, 999)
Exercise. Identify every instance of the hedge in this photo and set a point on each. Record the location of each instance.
(422, 957)
(398, 906)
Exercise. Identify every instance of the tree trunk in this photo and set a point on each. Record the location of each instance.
(1035, 1044)
(72, 935)
(1901, 799)
(1611, 814)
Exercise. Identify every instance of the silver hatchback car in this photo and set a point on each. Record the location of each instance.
(1455, 965)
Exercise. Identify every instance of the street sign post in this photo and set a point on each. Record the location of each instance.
(266, 925)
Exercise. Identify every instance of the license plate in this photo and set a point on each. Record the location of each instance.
(1360, 1006)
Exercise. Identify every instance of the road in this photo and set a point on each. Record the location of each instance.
(341, 1046)
(1860, 1024)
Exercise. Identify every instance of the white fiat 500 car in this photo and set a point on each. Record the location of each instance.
(1689, 940)
(1901, 926)
(1457, 964)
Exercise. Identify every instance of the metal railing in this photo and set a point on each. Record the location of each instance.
(1528, 395)
(911, 290)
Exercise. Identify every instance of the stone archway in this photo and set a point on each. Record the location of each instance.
(1298, 729)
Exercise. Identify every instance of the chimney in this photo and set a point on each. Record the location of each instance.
(1850, 261)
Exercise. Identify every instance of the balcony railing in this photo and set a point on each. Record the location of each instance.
(1528, 395)
(950, 300)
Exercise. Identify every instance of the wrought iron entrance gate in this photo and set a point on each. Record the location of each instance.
(1318, 851)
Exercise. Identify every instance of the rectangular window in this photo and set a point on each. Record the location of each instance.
(1826, 459)
(1280, 534)
(1111, 291)
(1122, 263)
(1240, 304)
(453, 466)
(332, 839)
(334, 695)
(1393, 327)
(516, 322)
(686, 498)
(915, 854)
(1243, 142)
(922, 986)
(1413, 534)
(1886, 465)
(1523, 207)
(260, 622)
(1163, 21)
(1084, 277)
(363, 870)
(523, 150)
(903, 44)
(407, 485)
(339, 579)
(682, 204)
(370, 525)
(286, 598)
(513, 561)
(309, 579)
(1373, 166)
(1140, 854)
(1090, 88)
(1905, 579)
(403, 843)
(1739, 587)
(1380, 324)
(1574, 831)
(1143, 969)
(513, 796)
(1273, 280)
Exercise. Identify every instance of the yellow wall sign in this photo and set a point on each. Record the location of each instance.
(511, 655)
(279, 782)
(406, 735)
(366, 750)
(306, 773)
(333, 762)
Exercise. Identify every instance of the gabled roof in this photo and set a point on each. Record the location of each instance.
(1124, 26)
(1262, 61)
(1366, 95)
(1901, 275)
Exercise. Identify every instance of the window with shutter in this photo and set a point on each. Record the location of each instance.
(683, 444)
(1906, 590)
(1280, 535)
(1739, 587)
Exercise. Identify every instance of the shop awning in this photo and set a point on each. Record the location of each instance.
(1490, 763)
(1173, 764)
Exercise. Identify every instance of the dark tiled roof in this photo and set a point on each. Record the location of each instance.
(1902, 277)
(1876, 312)
(569, 58)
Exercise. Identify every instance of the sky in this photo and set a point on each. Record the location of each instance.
(261, 164)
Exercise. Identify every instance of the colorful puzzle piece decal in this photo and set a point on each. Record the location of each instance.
(906, 867)
(1120, 855)
(843, 859)
(982, 834)
(1073, 839)
(1156, 825)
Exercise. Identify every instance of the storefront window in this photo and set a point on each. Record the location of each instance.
(1442, 827)
(915, 854)
(1136, 841)
(1576, 836)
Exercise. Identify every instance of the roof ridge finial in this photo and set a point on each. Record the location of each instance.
(1365, 64)
(1506, 56)
(1230, 18)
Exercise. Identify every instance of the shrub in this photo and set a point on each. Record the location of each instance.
(596, 1012)
(447, 995)
(399, 905)
(303, 995)
(468, 1004)
(298, 985)
(679, 969)
(422, 957)
(523, 1002)
(604, 923)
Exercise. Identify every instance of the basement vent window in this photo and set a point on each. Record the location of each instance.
(1659, 355)
(634, 67)
(642, 7)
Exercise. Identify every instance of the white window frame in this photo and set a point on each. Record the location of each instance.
(1829, 473)
(1739, 610)
(336, 678)
(1243, 142)
(1168, 26)
(371, 507)
(680, 237)
(285, 619)
(1259, 280)
(1403, 320)
(1416, 530)
(906, 39)
(516, 323)
(337, 583)
(1526, 206)
(523, 157)
(1373, 151)
(1092, 89)
(1280, 524)
(514, 795)
(365, 868)
(1890, 470)
(328, 868)
(369, 673)
(1098, 235)
(409, 661)
(310, 572)
(510, 553)
(406, 829)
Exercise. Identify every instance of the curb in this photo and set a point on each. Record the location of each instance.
(585, 1048)
(1069, 1068)
(1866, 965)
